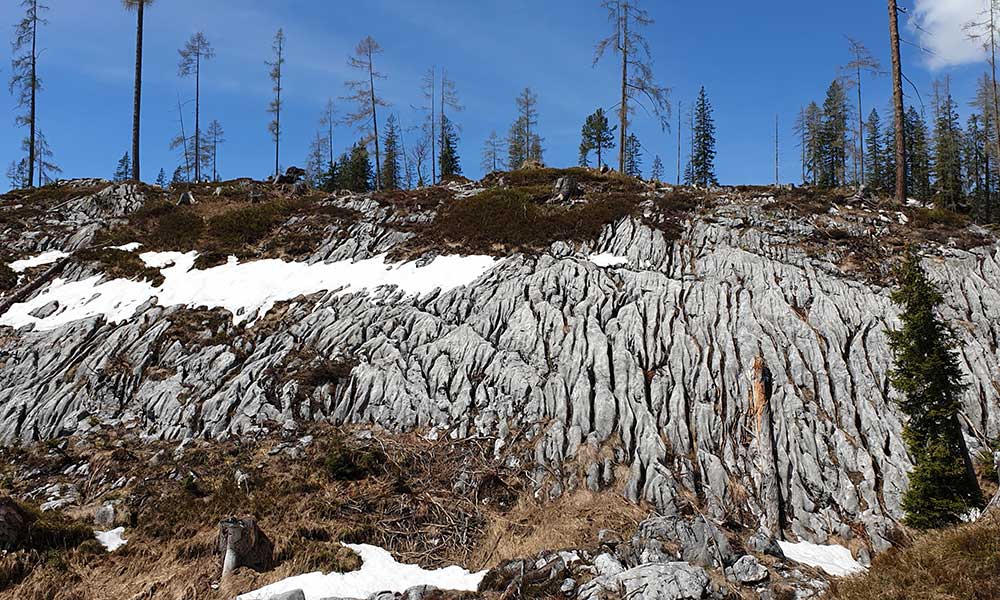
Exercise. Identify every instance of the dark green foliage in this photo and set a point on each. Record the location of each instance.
(597, 135)
(810, 129)
(161, 179)
(8, 278)
(927, 375)
(179, 228)
(947, 154)
(354, 172)
(703, 144)
(344, 463)
(974, 149)
(391, 176)
(523, 142)
(874, 158)
(657, 170)
(833, 137)
(633, 156)
(124, 169)
(449, 163)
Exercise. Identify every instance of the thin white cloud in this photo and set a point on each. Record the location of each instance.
(939, 26)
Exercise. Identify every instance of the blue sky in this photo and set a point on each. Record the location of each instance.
(756, 60)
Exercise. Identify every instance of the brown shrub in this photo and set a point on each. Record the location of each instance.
(247, 225)
(119, 264)
(8, 278)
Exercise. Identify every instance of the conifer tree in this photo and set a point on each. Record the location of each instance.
(178, 176)
(492, 154)
(874, 160)
(356, 174)
(833, 142)
(974, 152)
(947, 152)
(810, 129)
(927, 375)
(44, 165)
(450, 163)
(319, 161)
(274, 108)
(862, 62)
(703, 143)
(327, 120)
(161, 179)
(657, 170)
(24, 81)
(983, 103)
(17, 174)
(597, 135)
(633, 156)
(365, 98)
(523, 141)
(195, 51)
(123, 170)
(391, 176)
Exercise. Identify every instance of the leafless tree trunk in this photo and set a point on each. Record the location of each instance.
(897, 97)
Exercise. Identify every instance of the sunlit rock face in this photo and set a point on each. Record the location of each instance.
(627, 372)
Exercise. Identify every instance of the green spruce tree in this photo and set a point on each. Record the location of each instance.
(926, 373)
(918, 157)
(633, 156)
(391, 175)
(947, 153)
(124, 169)
(833, 137)
(874, 159)
(703, 143)
(656, 173)
(449, 162)
(161, 179)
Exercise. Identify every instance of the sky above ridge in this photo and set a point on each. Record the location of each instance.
(755, 59)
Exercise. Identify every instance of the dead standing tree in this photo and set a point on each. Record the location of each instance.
(192, 54)
(274, 108)
(984, 30)
(862, 61)
(637, 81)
(24, 81)
(897, 102)
(366, 100)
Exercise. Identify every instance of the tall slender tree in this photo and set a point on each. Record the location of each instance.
(985, 29)
(274, 108)
(897, 102)
(656, 172)
(703, 147)
(123, 170)
(24, 81)
(391, 175)
(638, 85)
(196, 50)
(862, 61)
(947, 149)
(874, 157)
(327, 120)
(833, 143)
(138, 6)
(161, 179)
(523, 142)
(450, 163)
(633, 156)
(366, 100)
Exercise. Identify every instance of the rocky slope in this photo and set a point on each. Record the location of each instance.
(631, 373)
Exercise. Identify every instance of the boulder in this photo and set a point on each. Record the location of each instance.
(566, 188)
(290, 595)
(292, 176)
(186, 199)
(655, 581)
(697, 541)
(14, 522)
(104, 516)
(747, 570)
(243, 544)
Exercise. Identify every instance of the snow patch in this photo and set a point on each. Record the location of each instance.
(248, 290)
(834, 559)
(45, 258)
(608, 260)
(111, 540)
(130, 247)
(379, 573)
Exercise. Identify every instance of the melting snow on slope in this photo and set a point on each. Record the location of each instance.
(248, 290)
(834, 559)
(111, 540)
(608, 260)
(45, 258)
(379, 573)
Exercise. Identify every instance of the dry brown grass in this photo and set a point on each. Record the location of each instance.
(962, 563)
(429, 502)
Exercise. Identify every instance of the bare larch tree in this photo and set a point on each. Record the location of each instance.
(138, 6)
(637, 82)
(366, 100)
(194, 51)
(24, 81)
(862, 61)
(275, 106)
(984, 30)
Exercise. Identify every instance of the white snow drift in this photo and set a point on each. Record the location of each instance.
(379, 573)
(248, 290)
(834, 559)
(45, 258)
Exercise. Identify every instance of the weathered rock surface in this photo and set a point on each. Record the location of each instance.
(637, 368)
